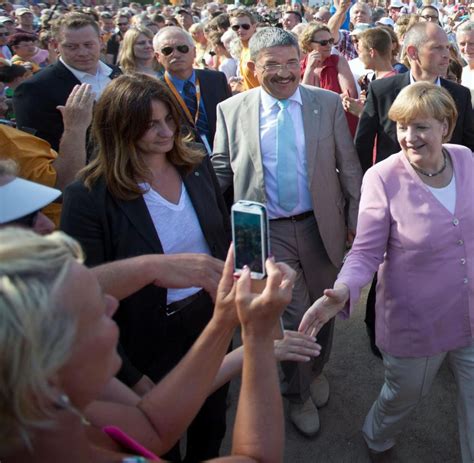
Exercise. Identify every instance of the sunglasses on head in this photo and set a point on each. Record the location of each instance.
(323, 43)
(236, 27)
(181, 48)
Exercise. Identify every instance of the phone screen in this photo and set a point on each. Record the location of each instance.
(248, 241)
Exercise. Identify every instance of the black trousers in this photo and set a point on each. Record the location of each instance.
(205, 434)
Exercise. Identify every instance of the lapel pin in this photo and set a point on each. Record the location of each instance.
(196, 174)
(315, 111)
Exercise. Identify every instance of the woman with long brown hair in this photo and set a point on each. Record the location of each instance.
(149, 190)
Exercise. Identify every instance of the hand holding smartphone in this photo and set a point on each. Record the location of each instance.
(250, 237)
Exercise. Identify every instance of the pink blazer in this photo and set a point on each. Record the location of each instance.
(425, 291)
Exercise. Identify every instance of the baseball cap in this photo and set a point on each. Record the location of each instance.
(5, 19)
(396, 4)
(20, 197)
(385, 22)
(22, 11)
(361, 27)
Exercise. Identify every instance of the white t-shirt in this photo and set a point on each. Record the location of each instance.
(446, 195)
(179, 230)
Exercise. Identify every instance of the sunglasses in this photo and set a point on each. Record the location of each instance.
(236, 27)
(323, 43)
(181, 48)
(27, 221)
(122, 24)
(4, 34)
(428, 17)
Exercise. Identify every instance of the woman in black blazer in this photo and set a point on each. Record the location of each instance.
(149, 191)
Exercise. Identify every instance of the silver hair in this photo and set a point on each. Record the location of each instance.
(269, 37)
(163, 33)
(416, 35)
(468, 26)
(363, 5)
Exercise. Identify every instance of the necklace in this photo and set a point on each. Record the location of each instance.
(432, 174)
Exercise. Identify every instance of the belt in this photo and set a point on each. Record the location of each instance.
(183, 303)
(295, 218)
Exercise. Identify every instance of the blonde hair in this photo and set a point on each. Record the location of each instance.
(121, 118)
(423, 99)
(126, 57)
(307, 35)
(36, 332)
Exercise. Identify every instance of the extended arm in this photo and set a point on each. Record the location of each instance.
(125, 277)
(337, 19)
(373, 229)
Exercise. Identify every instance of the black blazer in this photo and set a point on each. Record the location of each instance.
(35, 101)
(374, 120)
(110, 229)
(214, 89)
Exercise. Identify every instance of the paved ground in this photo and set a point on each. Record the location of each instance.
(356, 376)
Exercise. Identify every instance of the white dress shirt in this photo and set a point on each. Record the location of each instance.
(98, 81)
(268, 138)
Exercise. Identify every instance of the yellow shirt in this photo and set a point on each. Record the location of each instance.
(250, 81)
(34, 158)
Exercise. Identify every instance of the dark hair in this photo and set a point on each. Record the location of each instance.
(121, 118)
(15, 39)
(296, 13)
(10, 73)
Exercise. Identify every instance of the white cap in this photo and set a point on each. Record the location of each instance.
(386, 22)
(21, 197)
(396, 4)
(361, 27)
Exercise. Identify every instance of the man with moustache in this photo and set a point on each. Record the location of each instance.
(288, 146)
(198, 91)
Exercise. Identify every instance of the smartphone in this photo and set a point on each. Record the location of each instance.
(250, 237)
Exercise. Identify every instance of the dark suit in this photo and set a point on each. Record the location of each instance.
(110, 229)
(214, 89)
(375, 122)
(36, 99)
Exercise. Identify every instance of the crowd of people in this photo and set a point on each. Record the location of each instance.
(126, 134)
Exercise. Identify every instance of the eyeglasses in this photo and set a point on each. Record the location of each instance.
(236, 27)
(428, 17)
(4, 34)
(323, 43)
(272, 68)
(181, 48)
(27, 221)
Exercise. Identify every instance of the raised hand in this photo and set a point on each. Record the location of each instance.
(77, 112)
(259, 312)
(325, 308)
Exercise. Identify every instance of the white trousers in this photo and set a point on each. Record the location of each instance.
(407, 381)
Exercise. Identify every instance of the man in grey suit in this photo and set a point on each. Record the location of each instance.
(288, 146)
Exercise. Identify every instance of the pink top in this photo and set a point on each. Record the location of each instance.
(425, 290)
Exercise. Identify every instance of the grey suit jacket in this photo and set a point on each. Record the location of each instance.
(334, 170)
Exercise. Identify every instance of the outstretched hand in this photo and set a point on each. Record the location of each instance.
(296, 347)
(325, 308)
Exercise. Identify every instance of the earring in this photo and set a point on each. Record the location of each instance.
(63, 401)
